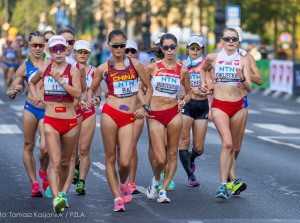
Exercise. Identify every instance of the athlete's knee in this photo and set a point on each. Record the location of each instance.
(84, 152)
(54, 166)
(29, 146)
(160, 161)
(64, 164)
(110, 159)
(185, 143)
(227, 145)
(199, 148)
(124, 164)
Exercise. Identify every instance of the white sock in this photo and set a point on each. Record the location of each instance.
(155, 182)
(163, 191)
(116, 199)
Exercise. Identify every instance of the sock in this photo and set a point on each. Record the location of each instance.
(155, 182)
(185, 159)
(77, 166)
(163, 191)
(122, 185)
(194, 155)
(116, 199)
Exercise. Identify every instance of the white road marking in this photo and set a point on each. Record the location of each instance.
(267, 139)
(10, 129)
(278, 128)
(99, 165)
(98, 124)
(212, 125)
(281, 111)
(19, 114)
(17, 107)
(142, 189)
(282, 137)
(1, 102)
(250, 111)
(247, 131)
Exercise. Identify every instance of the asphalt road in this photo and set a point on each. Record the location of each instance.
(268, 163)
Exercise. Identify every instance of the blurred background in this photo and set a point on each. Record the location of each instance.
(271, 28)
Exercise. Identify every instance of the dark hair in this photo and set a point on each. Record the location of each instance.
(65, 30)
(49, 31)
(229, 29)
(157, 52)
(35, 33)
(116, 32)
(168, 36)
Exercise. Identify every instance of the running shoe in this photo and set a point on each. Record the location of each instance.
(152, 192)
(125, 193)
(162, 197)
(44, 177)
(80, 188)
(58, 205)
(222, 192)
(237, 187)
(171, 185)
(193, 182)
(229, 186)
(36, 191)
(48, 192)
(76, 174)
(133, 188)
(64, 196)
(119, 205)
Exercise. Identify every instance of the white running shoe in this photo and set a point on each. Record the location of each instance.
(162, 197)
(151, 192)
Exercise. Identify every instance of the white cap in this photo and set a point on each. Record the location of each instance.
(20, 37)
(239, 31)
(156, 37)
(82, 45)
(57, 40)
(131, 44)
(195, 39)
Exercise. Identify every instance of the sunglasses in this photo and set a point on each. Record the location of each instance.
(60, 48)
(131, 50)
(71, 42)
(227, 39)
(195, 48)
(35, 45)
(82, 51)
(166, 47)
(117, 45)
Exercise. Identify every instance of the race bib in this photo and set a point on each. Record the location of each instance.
(53, 88)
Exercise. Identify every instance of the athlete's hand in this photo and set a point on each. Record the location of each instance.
(83, 105)
(240, 74)
(181, 104)
(97, 102)
(204, 88)
(55, 74)
(18, 88)
(90, 103)
(36, 100)
(140, 113)
(181, 96)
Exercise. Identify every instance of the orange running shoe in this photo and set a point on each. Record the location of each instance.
(133, 188)
(119, 205)
(125, 193)
(36, 191)
(44, 177)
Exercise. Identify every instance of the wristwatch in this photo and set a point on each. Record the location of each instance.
(243, 79)
(146, 107)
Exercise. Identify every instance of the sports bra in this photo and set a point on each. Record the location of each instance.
(166, 83)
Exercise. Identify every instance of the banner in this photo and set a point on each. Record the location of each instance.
(264, 70)
(281, 76)
(297, 78)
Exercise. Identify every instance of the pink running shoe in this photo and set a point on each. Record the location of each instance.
(125, 193)
(119, 205)
(44, 177)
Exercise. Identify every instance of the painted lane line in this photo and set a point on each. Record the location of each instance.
(17, 107)
(99, 165)
(212, 125)
(250, 111)
(1, 102)
(278, 128)
(267, 139)
(281, 111)
(142, 189)
(282, 137)
(10, 129)
(99, 175)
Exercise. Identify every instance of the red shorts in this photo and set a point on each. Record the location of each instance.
(87, 113)
(61, 125)
(164, 116)
(78, 112)
(120, 118)
(230, 108)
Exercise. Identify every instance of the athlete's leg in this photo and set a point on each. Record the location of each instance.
(44, 157)
(5, 72)
(151, 154)
(109, 131)
(71, 167)
(30, 124)
(173, 135)
(199, 133)
(137, 131)
(184, 145)
(11, 72)
(86, 137)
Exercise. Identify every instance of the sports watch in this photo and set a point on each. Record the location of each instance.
(146, 107)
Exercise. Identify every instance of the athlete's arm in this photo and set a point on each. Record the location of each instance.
(245, 74)
(95, 84)
(204, 70)
(75, 89)
(82, 77)
(185, 79)
(146, 81)
(256, 77)
(33, 85)
(17, 83)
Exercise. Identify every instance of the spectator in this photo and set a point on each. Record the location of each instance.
(263, 50)
(254, 52)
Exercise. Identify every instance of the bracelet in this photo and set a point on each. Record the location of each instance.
(62, 83)
(183, 102)
(99, 96)
(243, 79)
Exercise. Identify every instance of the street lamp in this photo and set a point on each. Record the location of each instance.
(146, 34)
(220, 20)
